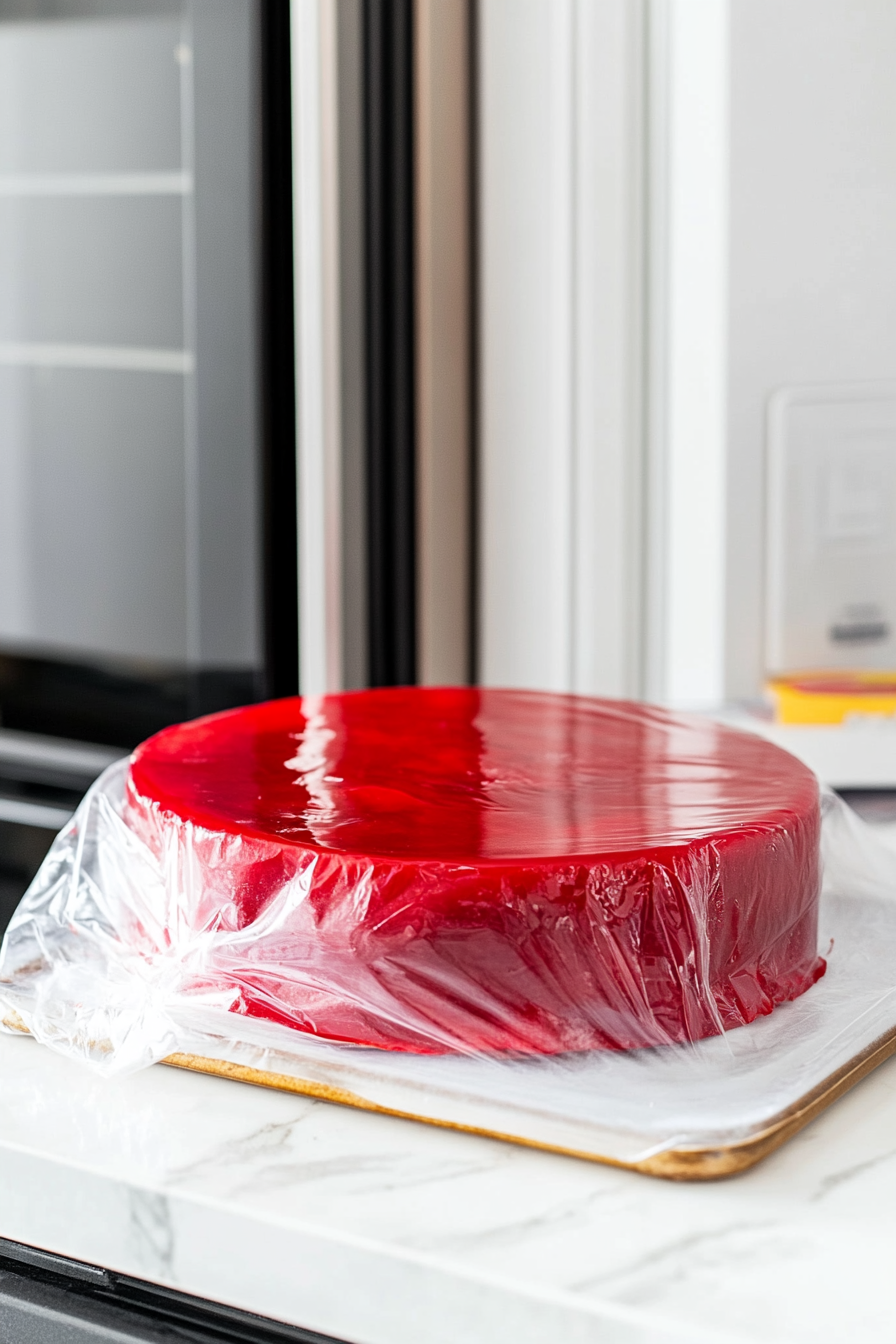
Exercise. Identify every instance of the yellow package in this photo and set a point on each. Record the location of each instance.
(832, 697)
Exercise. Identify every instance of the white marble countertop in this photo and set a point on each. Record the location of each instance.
(382, 1231)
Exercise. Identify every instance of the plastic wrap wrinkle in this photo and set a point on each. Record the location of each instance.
(148, 933)
(626, 1104)
(436, 870)
(481, 870)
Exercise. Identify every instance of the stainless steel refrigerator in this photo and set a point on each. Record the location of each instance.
(147, 464)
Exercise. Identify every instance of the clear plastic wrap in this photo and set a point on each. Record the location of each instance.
(505, 899)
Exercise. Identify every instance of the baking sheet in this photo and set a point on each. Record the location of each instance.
(690, 1112)
(78, 973)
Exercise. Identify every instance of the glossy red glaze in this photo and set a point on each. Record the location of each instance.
(494, 870)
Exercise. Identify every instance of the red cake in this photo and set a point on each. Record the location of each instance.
(489, 870)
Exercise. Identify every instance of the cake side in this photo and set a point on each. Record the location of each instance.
(465, 868)
(668, 944)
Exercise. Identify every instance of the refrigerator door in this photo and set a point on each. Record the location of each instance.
(130, 440)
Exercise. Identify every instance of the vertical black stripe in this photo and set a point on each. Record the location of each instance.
(389, 204)
(279, 522)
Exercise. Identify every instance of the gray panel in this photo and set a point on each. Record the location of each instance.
(352, 319)
(105, 491)
(97, 95)
(228, 412)
(130, 502)
(38, 1313)
(95, 270)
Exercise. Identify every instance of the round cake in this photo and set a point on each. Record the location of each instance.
(485, 870)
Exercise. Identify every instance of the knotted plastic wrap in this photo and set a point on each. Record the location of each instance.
(428, 872)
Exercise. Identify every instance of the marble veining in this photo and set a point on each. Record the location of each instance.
(838, 1178)
(567, 1216)
(382, 1231)
(264, 1160)
(152, 1233)
(678, 1257)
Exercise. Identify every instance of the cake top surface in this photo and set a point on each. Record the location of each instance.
(469, 774)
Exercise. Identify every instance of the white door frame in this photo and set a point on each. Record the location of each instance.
(314, 70)
(560, 266)
(602, 258)
(686, 351)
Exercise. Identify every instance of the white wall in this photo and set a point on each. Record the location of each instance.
(769, 158)
(812, 283)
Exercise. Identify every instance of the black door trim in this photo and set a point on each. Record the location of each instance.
(279, 525)
(388, 102)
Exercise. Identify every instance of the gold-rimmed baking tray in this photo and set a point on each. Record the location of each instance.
(682, 1112)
